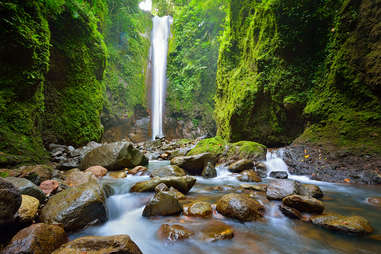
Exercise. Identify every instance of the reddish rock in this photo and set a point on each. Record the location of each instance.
(98, 171)
(49, 186)
(216, 230)
(139, 170)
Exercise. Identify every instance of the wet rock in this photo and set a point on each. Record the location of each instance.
(49, 186)
(261, 168)
(118, 174)
(76, 207)
(249, 176)
(37, 173)
(170, 170)
(277, 189)
(100, 245)
(376, 201)
(216, 230)
(241, 165)
(198, 209)
(161, 187)
(114, 156)
(37, 239)
(175, 193)
(162, 204)
(28, 209)
(193, 164)
(255, 187)
(173, 232)
(181, 183)
(209, 171)
(10, 201)
(138, 170)
(240, 206)
(290, 212)
(26, 187)
(310, 190)
(279, 174)
(75, 177)
(346, 224)
(304, 203)
(98, 171)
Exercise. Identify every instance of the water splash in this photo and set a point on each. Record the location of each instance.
(159, 51)
(274, 161)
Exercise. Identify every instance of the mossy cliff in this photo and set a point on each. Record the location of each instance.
(307, 69)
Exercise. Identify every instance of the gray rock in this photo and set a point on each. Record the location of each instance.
(277, 189)
(310, 190)
(209, 171)
(181, 183)
(26, 187)
(10, 201)
(241, 165)
(279, 174)
(193, 164)
(170, 170)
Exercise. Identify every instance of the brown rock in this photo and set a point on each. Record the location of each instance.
(310, 190)
(118, 174)
(304, 203)
(37, 173)
(75, 177)
(376, 201)
(49, 186)
(290, 212)
(162, 204)
(255, 187)
(241, 165)
(277, 189)
(175, 193)
(37, 239)
(216, 230)
(170, 170)
(98, 171)
(139, 170)
(198, 209)
(240, 206)
(181, 183)
(249, 176)
(28, 209)
(100, 245)
(161, 187)
(193, 164)
(173, 232)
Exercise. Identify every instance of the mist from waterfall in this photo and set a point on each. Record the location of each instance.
(159, 52)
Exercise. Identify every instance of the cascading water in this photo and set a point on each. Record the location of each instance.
(274, 161)
(159, 51)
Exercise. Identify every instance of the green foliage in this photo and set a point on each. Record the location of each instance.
(192, 61)
(3, 174)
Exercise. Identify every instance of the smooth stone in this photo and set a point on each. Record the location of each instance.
(277, 189)
(173, 232)
(175, 193)
(209, 171)
(193, 164)
(162, 204)
(138, 170)
(121, 244)
(310, 190)
(181, 183)
(97, 171)
(28, 209)
(347, 224)
(10, 201)
(215, 231)
(49, 186)
(76, 207)
(37, 239)
(26, 187)
(170, 170)
(118, 174)
(240, 207)
(241, 165)
(279, 174)
(198, 209)
(249, 176)
(75, 177)
(290, 212)
(304, 203)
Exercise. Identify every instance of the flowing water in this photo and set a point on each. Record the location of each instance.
(159, 51)
(274, 234)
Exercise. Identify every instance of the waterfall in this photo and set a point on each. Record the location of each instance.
(159, 51)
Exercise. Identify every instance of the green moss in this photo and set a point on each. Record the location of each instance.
(214, 145)
(247, 148)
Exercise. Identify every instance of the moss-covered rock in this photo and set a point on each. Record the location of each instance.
(214, 146)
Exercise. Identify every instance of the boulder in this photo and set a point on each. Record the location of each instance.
(181, 183)
(98, 171)
(49, 186)
(37, 239)
(175, 193)
(26, 187)
(209, 171)
(279, 174)
(76, 207)
(310, 190)
(100, 245)
(28, 209)
(193, 164)
(118, 174)
(170, 170)
(114, 156)
(290, 212)
(304, 203)
(75, 177)
(198, 209)
(346, 224)
(10, 201)
(161, 187)
(241, 165)
(240, 207)
(37, 173)
(162, 204)
(216, 230)
(173, 232)
(138, 170)
(277, 189)
(249, 176)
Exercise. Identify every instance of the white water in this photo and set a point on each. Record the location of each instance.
(159, 51)
(146, 5)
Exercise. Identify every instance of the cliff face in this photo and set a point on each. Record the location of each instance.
(301, 69)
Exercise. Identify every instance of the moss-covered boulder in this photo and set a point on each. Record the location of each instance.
(215, 146)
